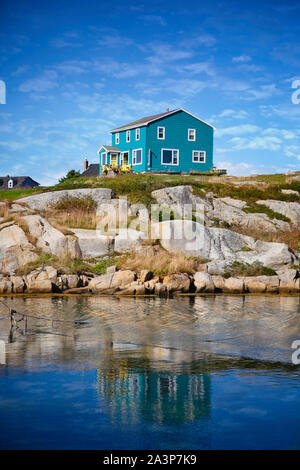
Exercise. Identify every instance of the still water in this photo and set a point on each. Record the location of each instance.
(200, 372)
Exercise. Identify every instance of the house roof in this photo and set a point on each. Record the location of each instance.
(146, 120)
(19, 182)
(109, 148)
(92, 171)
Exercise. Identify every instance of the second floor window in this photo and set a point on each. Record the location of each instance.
(161, 133)
(192, 134)
(127, 136)
(117, 138)
(137, 134)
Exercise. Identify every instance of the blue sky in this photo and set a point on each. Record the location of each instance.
(75, 69)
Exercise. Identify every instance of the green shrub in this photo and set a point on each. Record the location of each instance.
(238, 268)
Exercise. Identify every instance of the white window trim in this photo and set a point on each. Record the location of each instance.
(10, 184)
(127, 135)
(173, 164)
(164, 133)
(133, 152)
(137, 133)
(117, 138)
(198, 161)
(102, 155)
(194, 139)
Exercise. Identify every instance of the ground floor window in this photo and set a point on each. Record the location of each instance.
(169, 156)
(199, 156)
(124, 158)
(114, 159)
(137, 156)
(104, 158)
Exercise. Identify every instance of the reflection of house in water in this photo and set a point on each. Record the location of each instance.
(163, 397)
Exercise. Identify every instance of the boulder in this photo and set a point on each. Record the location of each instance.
(43, 201)
(234, 285)
(48, 272)
(122, 279)
(219, 282)
(176, 283)
(17, 208)
(216, 244)
(72, 281)
(287, 281)
(111, 269)
(135, 288)
(6, 286)
(288, 209)
(290, 191)
(203, 282)
(18, 284)
(101, 283)
(128, 240)
(49, 239)
(150, 285)
(108, 283)
(231, 211)
(15, 249)
(146, 275)
(255, 284)
(92, 243)
(35, 286)
(161, 289)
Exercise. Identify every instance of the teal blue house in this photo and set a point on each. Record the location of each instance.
(174, 141)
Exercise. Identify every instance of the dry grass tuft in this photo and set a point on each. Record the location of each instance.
(160, 262)
(290, 237)
(73, 212)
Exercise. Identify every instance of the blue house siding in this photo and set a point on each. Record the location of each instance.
(176, 137)
(176, 124)
(132, 145)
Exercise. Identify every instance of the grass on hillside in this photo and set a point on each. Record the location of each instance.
(160, 263)
(290, 237)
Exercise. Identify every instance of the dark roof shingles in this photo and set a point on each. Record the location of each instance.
(92, 171)
(143, 120)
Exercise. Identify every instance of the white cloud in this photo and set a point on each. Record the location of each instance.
(45, 82)
(241, 58)
(238, 130)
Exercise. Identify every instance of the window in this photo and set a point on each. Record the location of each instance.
(161, 133)
(169, 157)
(192, 134)
(137, 134)
(113, 159)
(117, 138)
(199, 156)
(137, 156)
(10, 184)
(104, 158)
(127, 136)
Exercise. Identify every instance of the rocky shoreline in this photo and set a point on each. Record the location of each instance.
(126, 282)
(26, 233)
